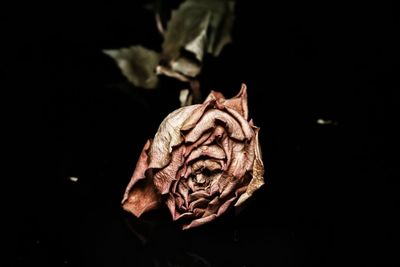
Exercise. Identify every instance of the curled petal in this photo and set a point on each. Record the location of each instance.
(208, 121)
(143, 197)
(198, 203)
(200, 221)
(140, 195)
(214, 151)
(239, 102)
(258, 174)
(215, 96)
(164, 177)
(169, 135)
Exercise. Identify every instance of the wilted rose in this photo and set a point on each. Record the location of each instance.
(204, 159)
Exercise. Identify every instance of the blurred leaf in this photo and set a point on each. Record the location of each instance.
(197, 27)
(138, 64)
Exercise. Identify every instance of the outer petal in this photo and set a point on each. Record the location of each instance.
(258, 174)
(213, 95)
(140, 195)
(239, 102)
(169, 134)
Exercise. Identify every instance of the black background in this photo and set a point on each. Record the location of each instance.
(332, 190)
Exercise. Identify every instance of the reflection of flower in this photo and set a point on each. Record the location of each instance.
(203, 159)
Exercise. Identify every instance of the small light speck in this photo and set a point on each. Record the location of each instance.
(326, 122)
(73, 179)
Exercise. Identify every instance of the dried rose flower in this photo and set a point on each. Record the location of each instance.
(204, 159)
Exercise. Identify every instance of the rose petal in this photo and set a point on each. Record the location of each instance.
(164, 177)
(198, 194)
(244, 125)
(140, 194)
(242, 159)
(258, 174)
(198, 203)
(208, 121)
(229, 188)
(226, 146)
(199, 222)
(225, 206)
(213, 151)
(139, 172)
(213, 95)
(239, 102)
(143, 197)
(193, 119)
(188, 172)
(217, 134)
(201, 141)
(169, 134)
(186, 215)
(212, 206)
(183, 190)
(171, 204)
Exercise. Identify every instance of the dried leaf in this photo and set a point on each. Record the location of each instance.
(138, 64)
(197, 27)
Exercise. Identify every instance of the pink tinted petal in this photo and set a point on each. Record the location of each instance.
(142, 198)
(229, 188)
(218, 133)
(186, 215)
(198, 212)
(188, 172)
(258, 174)
(196, 144)
(172, 206)
(198, 194)
(224, 207)
(239, 102)
(140, 169)
(198, 222)
(214, 164)
(214, 188)
(213, 95)
(183, 190)
(164, 177)
(212, 206)
(241, 190)
(191, 121)
(201, 202)
(226, 144)
(242, 159)
(207, 122)
(169, 135)
(244, 125)
(240, 164)
(181, 172)
(141, 195)
(212, 151)
(180, 203)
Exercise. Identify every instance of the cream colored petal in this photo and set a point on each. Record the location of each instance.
(258, 174)
(169, 134)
